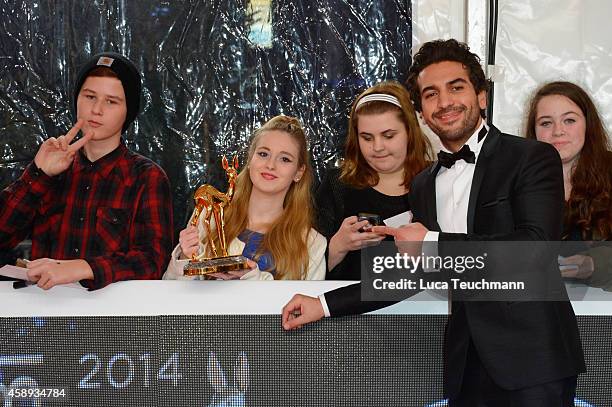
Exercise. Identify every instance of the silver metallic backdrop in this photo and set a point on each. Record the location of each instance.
(213, 71)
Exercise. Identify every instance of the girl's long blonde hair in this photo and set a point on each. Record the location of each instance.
(287, 237)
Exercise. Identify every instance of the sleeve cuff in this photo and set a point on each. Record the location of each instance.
(98, 269)
(174, 271)
(430, 249)
(324, 305)
(431, 236)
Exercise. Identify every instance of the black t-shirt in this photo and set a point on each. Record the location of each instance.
(336, 201)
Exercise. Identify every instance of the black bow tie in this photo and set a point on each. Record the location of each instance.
(448, 160)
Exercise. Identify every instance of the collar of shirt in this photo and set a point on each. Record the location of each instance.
(104, 165)
(474, 144)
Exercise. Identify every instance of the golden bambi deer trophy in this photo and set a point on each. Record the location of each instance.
(209, 200)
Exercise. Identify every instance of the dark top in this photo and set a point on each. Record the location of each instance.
(336, 201)
(599, 251)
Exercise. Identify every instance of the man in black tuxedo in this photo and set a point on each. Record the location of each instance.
(486, 186)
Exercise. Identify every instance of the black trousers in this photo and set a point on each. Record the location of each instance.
(479, 390)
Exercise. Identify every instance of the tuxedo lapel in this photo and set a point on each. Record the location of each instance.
(484, 158)
(430, 198)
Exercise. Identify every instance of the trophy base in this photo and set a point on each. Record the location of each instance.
(216, 265)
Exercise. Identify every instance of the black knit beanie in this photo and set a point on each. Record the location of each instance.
(128, 75)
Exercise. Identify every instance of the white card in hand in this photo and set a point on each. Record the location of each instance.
(564, 266)
(14, 272)
(397, 221)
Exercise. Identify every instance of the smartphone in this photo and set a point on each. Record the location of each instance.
(372, 218)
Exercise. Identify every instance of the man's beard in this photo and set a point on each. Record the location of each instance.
(462, 132)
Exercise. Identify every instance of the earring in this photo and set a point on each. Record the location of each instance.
(296, 179)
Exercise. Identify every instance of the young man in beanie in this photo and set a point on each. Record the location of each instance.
(96, 212)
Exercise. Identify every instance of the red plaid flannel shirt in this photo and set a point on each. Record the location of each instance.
(115, 213)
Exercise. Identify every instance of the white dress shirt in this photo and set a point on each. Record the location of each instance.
(453, 186)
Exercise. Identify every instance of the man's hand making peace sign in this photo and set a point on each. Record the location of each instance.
(55, 155)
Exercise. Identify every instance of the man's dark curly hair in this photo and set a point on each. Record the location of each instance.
(444, 50)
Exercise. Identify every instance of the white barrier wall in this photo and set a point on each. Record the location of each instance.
(155, 297)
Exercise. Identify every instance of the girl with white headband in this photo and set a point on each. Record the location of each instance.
(384, 150)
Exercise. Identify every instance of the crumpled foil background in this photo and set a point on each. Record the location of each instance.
(213, 71)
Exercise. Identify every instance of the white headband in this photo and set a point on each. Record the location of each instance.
(382, 97)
